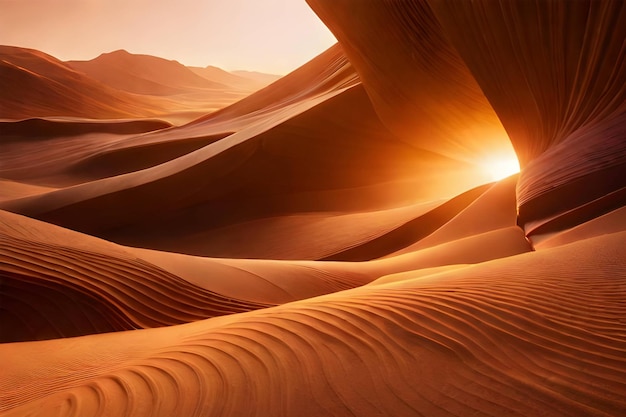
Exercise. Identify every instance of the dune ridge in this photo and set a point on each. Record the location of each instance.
(133, 287)
(410, 232)
(293, 142)
(263, 281)
(40, 127)
(52, 290)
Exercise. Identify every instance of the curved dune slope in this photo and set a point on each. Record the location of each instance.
(611, 222)
(11, 190)
(50, 290)
(114, 277)
(279, 165)
(411, 231)
(481, 340)
(39, 152)
(57, 282)
(494, 209)
(329, 71)
(55, 291)
(38, 127)
(127, 154)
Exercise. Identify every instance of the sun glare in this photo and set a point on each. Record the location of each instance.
(501, 167)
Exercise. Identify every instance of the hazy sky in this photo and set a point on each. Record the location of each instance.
(273, 36)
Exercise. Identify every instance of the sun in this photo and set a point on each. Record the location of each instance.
(500, 167)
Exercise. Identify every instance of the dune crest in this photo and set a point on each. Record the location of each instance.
(241, 178)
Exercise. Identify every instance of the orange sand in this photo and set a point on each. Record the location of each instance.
(329, 244)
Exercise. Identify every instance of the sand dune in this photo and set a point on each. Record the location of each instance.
(330, 244)
(327, 73)
(37, 127)
(52, 288)
(427, 346)
(41, 153)
(86, 285)
(498, 201)
(412, 231)
(242, 177)
(608, 223)
(11, 190)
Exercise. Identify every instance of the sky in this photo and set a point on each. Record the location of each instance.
(273, 36)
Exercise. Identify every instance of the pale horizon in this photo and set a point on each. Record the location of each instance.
(269, 36)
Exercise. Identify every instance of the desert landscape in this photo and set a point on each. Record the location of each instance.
(426, 219)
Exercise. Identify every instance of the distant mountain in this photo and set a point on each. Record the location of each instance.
(144, 74)
(237, 79)
(116, 85)
(36, 84)
(258, 76)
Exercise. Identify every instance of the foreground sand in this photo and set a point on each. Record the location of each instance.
(331, 244)
(496, 339)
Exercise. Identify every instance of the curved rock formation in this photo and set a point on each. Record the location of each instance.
(417, 82)
(553, 72)
(555, 75)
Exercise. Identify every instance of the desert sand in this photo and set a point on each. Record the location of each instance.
(185, 241)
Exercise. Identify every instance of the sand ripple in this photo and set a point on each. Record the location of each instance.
(480, 340)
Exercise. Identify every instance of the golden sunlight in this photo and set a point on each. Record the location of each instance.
(501, 166)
